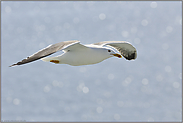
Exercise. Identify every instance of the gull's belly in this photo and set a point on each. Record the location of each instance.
(81, 58)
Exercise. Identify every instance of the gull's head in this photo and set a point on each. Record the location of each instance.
(111, 53)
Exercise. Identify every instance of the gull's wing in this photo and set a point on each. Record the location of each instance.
(125, 48)
(48, 51)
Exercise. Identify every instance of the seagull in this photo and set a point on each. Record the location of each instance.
(76, 54)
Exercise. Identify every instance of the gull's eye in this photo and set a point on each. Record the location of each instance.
(109, 50)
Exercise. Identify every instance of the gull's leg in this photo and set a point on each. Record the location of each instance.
(55, 61)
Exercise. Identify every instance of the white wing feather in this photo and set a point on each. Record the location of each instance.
(47, 51)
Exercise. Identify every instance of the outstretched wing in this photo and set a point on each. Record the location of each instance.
(47, 51)
(125, 48)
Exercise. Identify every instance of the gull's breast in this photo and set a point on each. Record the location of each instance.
(82, 57)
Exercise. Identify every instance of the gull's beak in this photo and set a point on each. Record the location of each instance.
(117, 55)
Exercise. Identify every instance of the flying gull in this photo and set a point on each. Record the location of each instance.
(76, 54)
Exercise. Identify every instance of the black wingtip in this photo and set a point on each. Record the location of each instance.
(12, 65)
(132, 56)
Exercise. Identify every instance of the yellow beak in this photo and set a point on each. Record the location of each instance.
(117, 55)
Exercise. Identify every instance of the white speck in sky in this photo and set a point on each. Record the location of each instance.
(145, 81)
(80, 87)
(85, 90)
(111, 76)
(150, 119)
(176, 85)
(55, 83)
(47, 88)
(102, 16)
(169, 29)
(16, 101)
(180, 21)
(153, 4)
(168, 69)
(144, 22)
(8, 9)
(128, 80)
(99, 109)
(116, 116)
(180, 75)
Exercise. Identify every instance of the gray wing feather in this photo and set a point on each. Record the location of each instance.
(47, 51)
(125, 48)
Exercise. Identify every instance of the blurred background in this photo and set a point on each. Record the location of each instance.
(146, 89)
